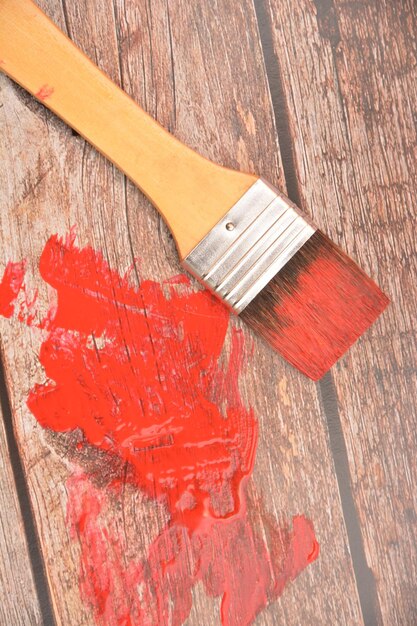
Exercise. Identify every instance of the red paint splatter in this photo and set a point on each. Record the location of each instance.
(10, 286)
(44, 92)
(141, 372)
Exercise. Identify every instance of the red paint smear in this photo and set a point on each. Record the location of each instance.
(228, 557)
(10, 286)
(345, 304)
(44, 92)
(149, 393)
(140, 372)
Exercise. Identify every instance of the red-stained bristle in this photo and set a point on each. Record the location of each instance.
(316, 306)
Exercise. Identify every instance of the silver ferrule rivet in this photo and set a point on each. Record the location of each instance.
(230, 226)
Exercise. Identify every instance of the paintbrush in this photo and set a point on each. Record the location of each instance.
(243, 239)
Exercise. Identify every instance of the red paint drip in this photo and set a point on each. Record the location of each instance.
(140, 372)
(44, 92)
(10, 286)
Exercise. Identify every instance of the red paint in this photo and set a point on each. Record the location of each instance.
(44, 92)
(10, 286)
(140, 372)
(229, 557)
(150, 394)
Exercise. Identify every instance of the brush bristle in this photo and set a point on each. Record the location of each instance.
(316, 306)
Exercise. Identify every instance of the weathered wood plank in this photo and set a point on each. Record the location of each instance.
(199, 70)
(349, 73)
(19, 601)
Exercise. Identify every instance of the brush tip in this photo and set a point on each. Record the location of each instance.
(316, 307)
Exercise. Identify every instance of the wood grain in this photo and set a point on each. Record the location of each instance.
(167, 58)
(19, 601)
(349, 75)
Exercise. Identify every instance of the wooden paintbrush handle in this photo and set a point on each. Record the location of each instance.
(190, 192)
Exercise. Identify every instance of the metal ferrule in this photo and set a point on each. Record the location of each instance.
(249, 245)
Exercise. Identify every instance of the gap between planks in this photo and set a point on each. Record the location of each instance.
(34, 553)
(365, 580)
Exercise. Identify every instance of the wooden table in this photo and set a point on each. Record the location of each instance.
(319, 96)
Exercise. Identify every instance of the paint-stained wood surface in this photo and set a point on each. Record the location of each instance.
(347, 76)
